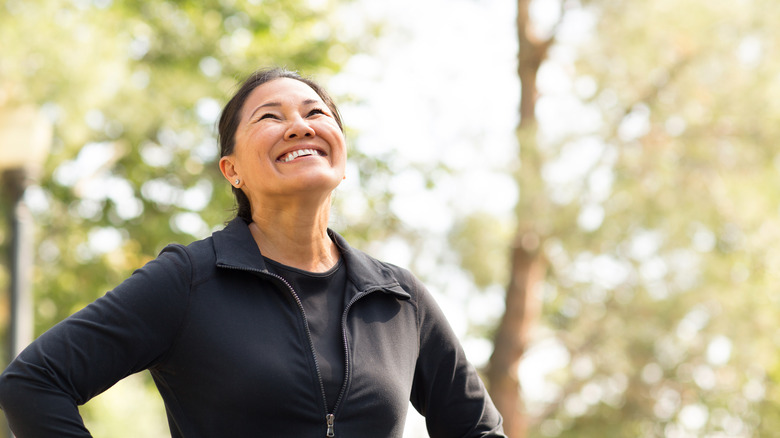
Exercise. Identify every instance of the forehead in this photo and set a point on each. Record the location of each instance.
(284, 91)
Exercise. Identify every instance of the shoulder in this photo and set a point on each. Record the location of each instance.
(195, 259)
(404, 276)
(368, 272)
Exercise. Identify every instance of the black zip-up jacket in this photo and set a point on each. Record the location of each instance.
(228, 346)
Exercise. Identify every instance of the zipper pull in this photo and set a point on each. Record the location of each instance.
(330, 419)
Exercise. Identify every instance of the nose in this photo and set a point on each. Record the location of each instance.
(299, 128)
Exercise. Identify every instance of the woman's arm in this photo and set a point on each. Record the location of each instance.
(447, 389)
(121, 333)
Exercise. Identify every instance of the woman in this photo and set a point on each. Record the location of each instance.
(272, 327)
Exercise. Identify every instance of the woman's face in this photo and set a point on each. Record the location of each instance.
(287, 144)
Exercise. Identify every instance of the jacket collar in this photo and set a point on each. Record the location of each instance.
(236, 248)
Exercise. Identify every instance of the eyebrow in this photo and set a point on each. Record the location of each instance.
(278, 104)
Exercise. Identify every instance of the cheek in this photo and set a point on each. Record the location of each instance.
(247, 162)
(338, 141)
(254, 144)
(340, 151)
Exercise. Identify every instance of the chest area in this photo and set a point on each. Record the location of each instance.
(251, 340)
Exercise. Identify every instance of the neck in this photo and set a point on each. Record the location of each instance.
(295, 236)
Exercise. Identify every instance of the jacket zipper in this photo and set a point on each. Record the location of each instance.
(330, 418)
(346, 352)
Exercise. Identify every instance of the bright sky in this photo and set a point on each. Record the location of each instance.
(441, 88)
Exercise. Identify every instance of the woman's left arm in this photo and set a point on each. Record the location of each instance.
(447, 389)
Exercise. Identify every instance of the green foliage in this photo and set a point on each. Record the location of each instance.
(659, 222)
(134, 89)
(690, 223)
(476, 238)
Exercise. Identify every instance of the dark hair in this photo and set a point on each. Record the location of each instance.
(231, 117)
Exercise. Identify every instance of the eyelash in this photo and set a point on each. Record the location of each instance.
(315, 111)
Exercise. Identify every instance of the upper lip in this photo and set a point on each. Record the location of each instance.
(301, 147)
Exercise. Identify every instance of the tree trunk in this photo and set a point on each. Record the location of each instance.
(532, 51)
(511, 339)
(527, 266)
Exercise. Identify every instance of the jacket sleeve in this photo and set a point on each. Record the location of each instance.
(447, 389)
(123, 332)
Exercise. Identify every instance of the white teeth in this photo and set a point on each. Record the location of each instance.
(299, 153)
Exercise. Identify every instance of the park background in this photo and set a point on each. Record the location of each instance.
(590, 188)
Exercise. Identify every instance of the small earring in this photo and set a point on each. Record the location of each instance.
(237, 181)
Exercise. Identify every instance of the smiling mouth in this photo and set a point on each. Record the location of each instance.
(286, 158)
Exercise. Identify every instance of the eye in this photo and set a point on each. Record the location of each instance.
(267, 116)
(315, 111)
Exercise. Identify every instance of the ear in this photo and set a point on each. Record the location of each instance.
(228, 168)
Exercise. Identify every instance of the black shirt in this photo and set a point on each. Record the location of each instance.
(322, 296)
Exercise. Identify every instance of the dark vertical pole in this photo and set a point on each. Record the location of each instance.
(21, 262)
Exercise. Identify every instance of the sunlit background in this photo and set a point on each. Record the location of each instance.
(648, 184)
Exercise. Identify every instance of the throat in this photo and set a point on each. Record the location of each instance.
(307, 251)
